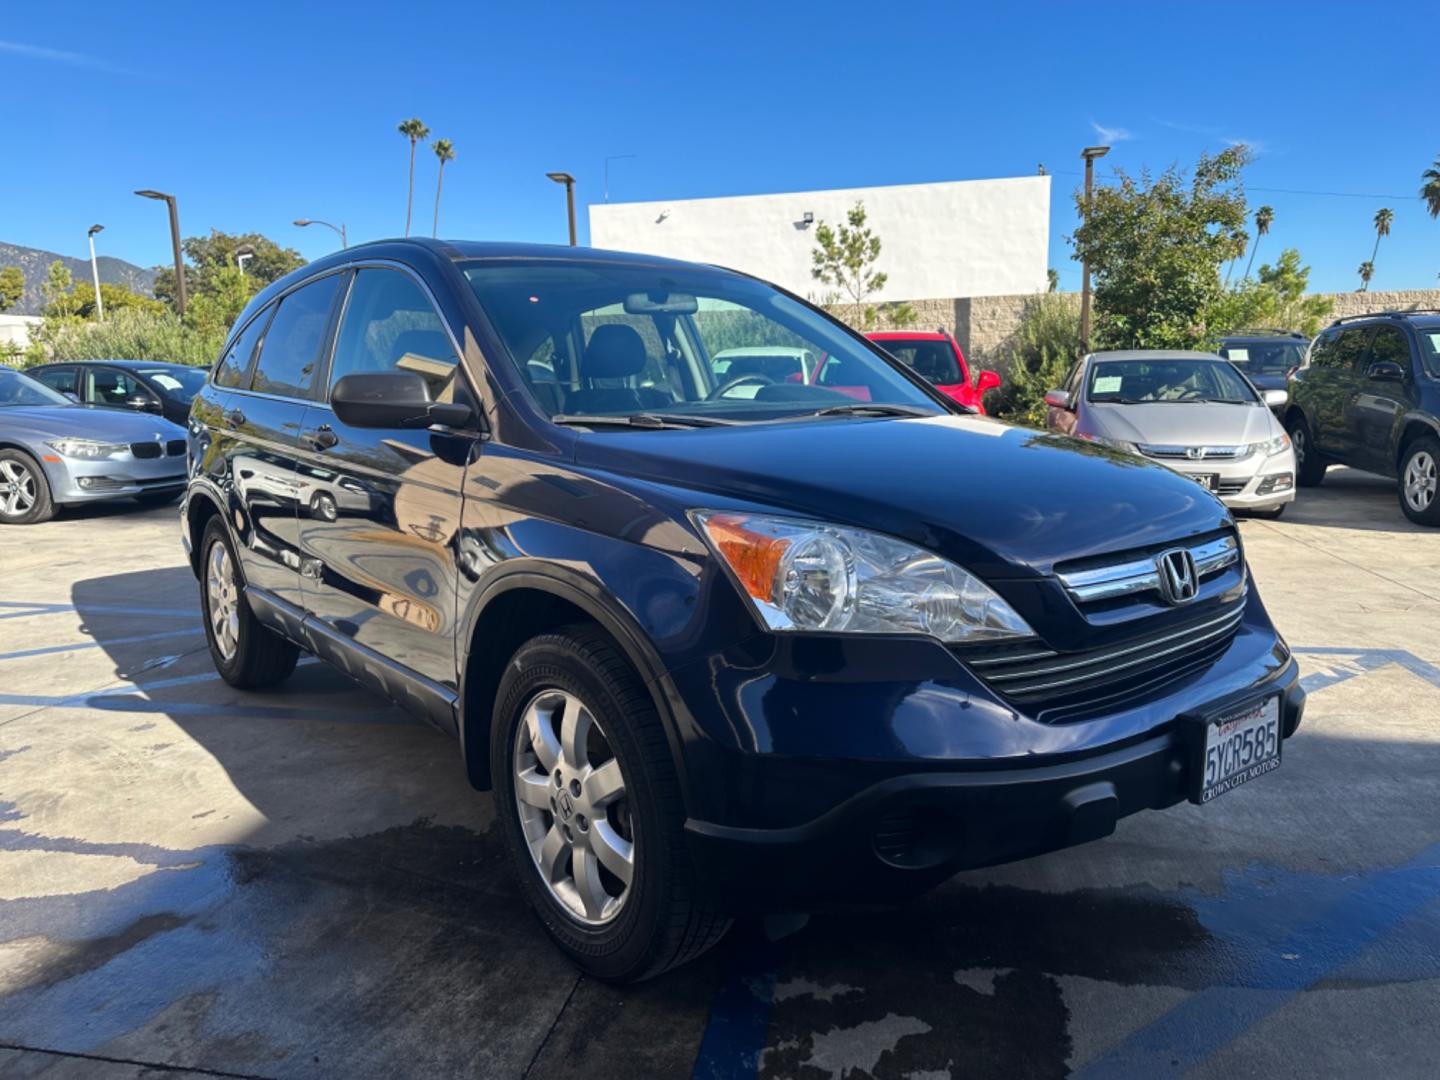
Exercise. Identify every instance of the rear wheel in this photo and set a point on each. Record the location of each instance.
(246, 654)
(1420, 481)
(591, 808)
(1309, 465)
(24, 491)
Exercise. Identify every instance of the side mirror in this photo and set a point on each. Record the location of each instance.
(393, 400)
(1275, 398)
(143, 403)
(986, 380)
(1059, 399)
(1387, 370)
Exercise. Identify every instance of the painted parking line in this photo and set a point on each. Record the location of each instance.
(46, 650)
(24, 609)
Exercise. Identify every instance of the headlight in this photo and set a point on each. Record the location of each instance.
(1278, 445)
(810, 575)
(87, 449)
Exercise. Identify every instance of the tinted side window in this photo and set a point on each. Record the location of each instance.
(234, 367)
(290, 354)
(1322, 353)
(1389, 344)
(61, 379)
(1350, 347)
(389, 325)
(111, 386)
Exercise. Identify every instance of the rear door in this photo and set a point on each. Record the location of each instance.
(1331, 381)
(380, 509)
(64, 379)
(1379, 405)
(266, 419)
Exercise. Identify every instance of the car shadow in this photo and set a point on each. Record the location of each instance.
(1351, 499)
(359, 917)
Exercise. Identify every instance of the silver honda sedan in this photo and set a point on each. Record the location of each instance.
(1192, 411)
(54, 452)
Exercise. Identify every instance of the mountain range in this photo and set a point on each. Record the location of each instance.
(35, 264)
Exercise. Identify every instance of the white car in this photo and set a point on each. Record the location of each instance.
(1192, 411)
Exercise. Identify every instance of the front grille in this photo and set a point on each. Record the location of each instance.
(175, 447)
(1136, 572)
(1067, 685)
(1231, 487)
(145, 450)
(1195, 453)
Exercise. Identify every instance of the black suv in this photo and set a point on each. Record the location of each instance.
(718, 643)
(1368, 396)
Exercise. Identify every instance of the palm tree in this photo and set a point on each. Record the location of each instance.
(445, 151)
(1430, 191)
(1383, 219)
(413, 129)
(1263, 219)
(1367, 271)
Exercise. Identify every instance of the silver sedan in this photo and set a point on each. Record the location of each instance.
(54, 452)
(1192, 411)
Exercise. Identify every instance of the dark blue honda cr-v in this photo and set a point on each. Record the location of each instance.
(717, 640)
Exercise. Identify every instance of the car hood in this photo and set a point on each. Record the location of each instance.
(1003, 501)
(87, 422)
(1180, 424)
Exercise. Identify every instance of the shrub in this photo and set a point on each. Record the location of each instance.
(1038, 358)
(129, 334)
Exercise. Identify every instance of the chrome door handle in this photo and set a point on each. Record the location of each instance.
(234, 418)
(324, 438)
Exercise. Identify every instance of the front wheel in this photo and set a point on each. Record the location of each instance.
(247, 654)
(1309, 465)
(24, 491)
(591, 809)
(1419, 483)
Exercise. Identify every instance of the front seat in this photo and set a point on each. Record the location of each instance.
(615, 352)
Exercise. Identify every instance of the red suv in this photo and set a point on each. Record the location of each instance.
(937, 359)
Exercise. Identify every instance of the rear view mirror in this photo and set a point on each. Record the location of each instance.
(1275, 398)
(986, 380)
(394, 400)
(1058, 399)
(661, 303)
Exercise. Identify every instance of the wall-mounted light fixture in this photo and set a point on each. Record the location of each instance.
(808, 217)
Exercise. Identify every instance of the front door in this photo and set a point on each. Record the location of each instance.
(380, 509)
(1379, 405)
(1331, 378)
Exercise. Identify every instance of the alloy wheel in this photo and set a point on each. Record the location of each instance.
(17, 489)
(1420, 481)
(223, 598)
(1297, 443)
(574, 812)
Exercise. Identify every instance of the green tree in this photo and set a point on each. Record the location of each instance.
(1430, 189)
(1038, 357)
(844, 258)
(12, 287)
(1366, 272)
(1155, 247)
(80, 301)
(214, 311)
(444, 151)
(1384, 218)
(58, 291)
(1264, 218)
(209, 261)
(1278, 299)
(415, 130)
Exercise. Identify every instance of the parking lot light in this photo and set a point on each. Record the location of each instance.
(1090, 153)
(338, 230)
(569, 182)
(95, 272)
(169, 200)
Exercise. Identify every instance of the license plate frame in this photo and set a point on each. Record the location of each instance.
(1217, 737)
(1209, 481)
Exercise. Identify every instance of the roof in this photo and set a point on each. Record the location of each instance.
(1157, 354)
(111, 363)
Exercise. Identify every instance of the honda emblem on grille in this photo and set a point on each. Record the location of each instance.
(1195, 453)
(1179, 580)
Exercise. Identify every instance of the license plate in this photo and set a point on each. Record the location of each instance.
(1240, 744)
(1207, 480)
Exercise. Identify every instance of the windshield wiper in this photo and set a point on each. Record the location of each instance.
(875, 408)
(651, 421)
(1226, 401)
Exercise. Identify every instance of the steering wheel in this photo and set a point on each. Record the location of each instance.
(1187, 394)
(739, 380)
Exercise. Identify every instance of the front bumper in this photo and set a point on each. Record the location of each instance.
(73, 480)
(1259, 482)
(903, 835)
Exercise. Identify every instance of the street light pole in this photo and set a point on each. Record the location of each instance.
(243, 252)
(174, 244)
(95, 272)
(1090, 153)
(569, 182)
(613, 157)
(339, 231)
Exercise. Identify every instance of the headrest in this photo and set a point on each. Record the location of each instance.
(615, 352)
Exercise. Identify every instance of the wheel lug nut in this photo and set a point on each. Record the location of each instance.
(575, 788)
(580, 820)
(558, 780)
(568, 834)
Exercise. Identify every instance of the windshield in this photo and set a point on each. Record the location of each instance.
(180, 383)
(1137, 382)
(18, 389)
(597, 339)
(933, 361)
(1265, 357)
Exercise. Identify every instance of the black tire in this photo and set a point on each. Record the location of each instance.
(1310, 466)
(33, 502)
(664, 921)
(260, 657)
(1418, 465)
(157, 498)
(1273, 514)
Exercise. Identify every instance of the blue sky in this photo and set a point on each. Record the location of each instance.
(260, 113)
